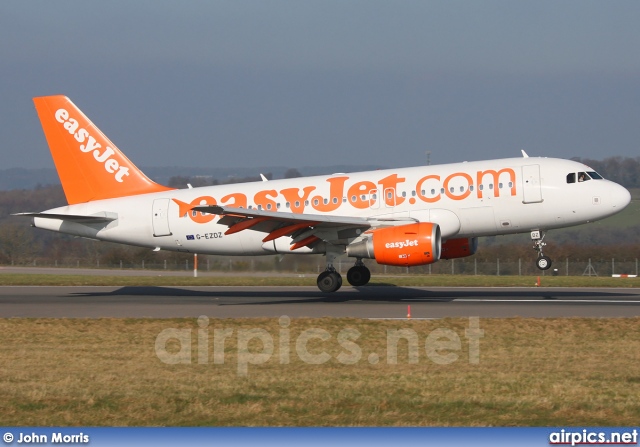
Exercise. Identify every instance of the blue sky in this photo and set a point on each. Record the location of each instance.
(300, 83)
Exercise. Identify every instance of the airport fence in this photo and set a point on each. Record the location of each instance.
(316, 264)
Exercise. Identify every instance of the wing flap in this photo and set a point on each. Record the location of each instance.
(308, 227)
(304, 229)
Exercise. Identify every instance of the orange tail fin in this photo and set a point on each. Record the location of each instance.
(90, 166)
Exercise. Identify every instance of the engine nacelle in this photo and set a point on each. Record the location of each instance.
(403, 245)
(459, 248)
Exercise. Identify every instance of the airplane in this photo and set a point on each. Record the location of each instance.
(401, 217)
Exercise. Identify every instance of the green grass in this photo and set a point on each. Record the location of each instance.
(628, 217)
(531, 372)
(9, 279)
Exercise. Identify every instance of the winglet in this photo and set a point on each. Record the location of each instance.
(90, 166)
(524, 154)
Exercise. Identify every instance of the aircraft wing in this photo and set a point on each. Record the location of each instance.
(305, 229)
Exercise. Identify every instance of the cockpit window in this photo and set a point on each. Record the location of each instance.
(583, 177)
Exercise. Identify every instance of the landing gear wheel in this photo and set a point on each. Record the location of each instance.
(543, 262)
(329, 282)
(358, 275)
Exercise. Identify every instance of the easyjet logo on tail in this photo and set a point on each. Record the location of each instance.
(89, 145)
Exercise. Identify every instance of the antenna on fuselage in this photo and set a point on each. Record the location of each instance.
(524, 154)
(428, 158)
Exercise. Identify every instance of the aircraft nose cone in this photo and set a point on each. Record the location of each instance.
(620, 197)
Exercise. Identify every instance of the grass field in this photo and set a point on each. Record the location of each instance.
(577, 372)
(524, 372)
(11, 279)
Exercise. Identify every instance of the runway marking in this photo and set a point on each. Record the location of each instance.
(540, 300)
(403, 318)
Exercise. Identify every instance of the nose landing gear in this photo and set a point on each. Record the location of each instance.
(543, 262)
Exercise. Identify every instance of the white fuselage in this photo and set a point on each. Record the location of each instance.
(466, 199)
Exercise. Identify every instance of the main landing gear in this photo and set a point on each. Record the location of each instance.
(359, 274)
(330, 280)
(543, 262)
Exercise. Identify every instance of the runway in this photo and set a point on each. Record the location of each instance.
(295, 302)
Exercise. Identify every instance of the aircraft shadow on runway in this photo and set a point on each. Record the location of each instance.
(231, 296)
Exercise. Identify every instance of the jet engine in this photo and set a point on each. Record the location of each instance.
(403, 245)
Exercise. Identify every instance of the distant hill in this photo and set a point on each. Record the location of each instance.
(623, 170)
(22, 178)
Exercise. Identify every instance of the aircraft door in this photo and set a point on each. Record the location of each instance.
(531, 187)
(390, 197)
(160, 218)
(374, 199)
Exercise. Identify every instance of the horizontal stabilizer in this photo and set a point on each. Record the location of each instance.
(69, 217)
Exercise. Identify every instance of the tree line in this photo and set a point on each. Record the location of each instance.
(622, 170)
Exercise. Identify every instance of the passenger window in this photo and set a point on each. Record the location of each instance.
(571, 178)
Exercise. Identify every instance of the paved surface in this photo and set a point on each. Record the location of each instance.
(364, 302)
(134, 272)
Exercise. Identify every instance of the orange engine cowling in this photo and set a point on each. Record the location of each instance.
(459, 248)
(404, 245)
